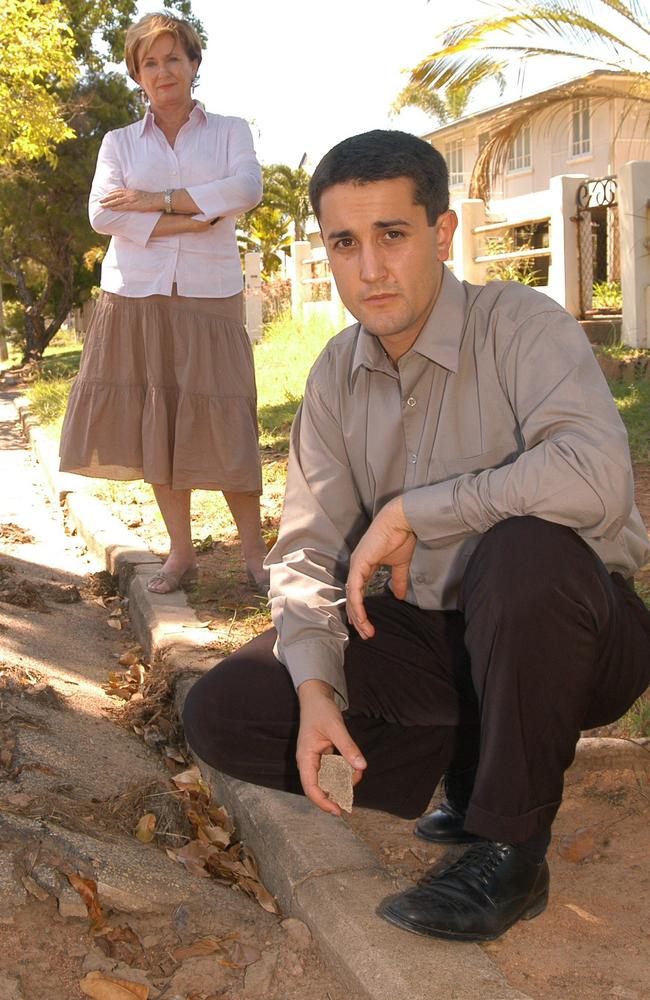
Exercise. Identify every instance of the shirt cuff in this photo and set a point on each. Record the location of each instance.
(315, 659)
(433, 515)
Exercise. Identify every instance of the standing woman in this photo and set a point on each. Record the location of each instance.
(166, 387)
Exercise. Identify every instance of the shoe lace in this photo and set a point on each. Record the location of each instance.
(475, 866)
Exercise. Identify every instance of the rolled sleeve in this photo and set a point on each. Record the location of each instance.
(241, 190)
(134, 226)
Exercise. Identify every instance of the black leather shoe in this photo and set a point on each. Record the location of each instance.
(444, 826)
(476, 899)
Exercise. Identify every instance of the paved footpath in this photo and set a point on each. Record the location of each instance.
(317, 868)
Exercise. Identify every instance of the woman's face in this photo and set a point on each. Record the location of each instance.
(166, 72)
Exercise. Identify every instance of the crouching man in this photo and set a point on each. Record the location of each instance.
(464, 436)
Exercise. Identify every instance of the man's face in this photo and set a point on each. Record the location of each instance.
(385, 257)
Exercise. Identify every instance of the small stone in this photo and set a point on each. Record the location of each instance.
(259, 976)
(10, 988)
(335, 779)
(97, 961)
(577, 846)
(204, 974)
(70, 904)
(298, 933)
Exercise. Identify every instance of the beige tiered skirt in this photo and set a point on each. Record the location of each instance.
(165, 393)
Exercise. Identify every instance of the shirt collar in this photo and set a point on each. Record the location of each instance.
(439, 339)
(198, 115)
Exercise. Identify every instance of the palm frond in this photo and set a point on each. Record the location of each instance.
(634, 13)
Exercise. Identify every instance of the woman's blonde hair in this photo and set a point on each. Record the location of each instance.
(142, 35)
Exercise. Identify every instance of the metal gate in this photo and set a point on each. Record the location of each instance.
(598, 240)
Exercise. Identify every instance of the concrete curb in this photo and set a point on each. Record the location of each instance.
(318, 869)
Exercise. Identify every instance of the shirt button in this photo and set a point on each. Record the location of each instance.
(413, 459)
(410, 401)
(420, 578)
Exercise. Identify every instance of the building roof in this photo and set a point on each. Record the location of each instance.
(576, 85)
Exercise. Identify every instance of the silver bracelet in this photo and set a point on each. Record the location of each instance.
(167, 201)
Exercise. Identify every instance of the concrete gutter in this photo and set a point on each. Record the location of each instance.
(313, 863)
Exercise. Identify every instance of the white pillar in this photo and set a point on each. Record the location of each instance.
(471, 213)
(253, 294)
(564, 270)
(633, 195)
(300, 252)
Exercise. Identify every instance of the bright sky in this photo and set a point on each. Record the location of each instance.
(307, 74)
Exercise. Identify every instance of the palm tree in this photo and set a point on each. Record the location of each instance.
(607, 34)
(287, 190)
(445, 107)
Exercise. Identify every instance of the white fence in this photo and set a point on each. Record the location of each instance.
(553, 224)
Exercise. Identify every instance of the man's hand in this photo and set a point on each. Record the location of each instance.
(322, 730)
(388, 541)
(131, 200)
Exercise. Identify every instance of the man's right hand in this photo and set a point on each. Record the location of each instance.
(322, 730)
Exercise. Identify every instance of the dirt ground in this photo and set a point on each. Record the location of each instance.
(90, 904)
(592, 942)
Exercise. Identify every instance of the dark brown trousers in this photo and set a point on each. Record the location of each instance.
(546, 643)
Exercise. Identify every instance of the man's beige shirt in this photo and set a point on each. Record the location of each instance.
(498, 410)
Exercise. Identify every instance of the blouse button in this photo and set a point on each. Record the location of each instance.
(410, 401)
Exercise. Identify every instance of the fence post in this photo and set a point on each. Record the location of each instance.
(633, 195)
(300, 251)
(471, 213)
(253, 293)
(564, 271)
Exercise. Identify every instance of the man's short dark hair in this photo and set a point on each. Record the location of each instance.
(382, 155)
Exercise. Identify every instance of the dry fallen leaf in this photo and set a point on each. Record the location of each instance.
(191, 781)
(87, 889)
(260, 893)
(241, 955)
(130, 656)
(101, 987)
(122, 943)
(198, 949)
(214, 835)
(583, 914)
(194, 856)
(145, 831)
(114, 623)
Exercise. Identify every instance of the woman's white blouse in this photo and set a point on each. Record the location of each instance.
(214, 159)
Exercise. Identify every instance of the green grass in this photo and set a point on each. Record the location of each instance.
(283, 359)
(633, 402)
(622, 352)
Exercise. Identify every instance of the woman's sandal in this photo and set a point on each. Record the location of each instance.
(174, 581)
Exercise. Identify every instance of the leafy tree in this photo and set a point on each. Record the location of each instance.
(43, 215)
(36, 58)
(47, 248)
(287, 191)
(266, 229)
(609, 34)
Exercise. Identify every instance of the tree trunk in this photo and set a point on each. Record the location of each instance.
(4, 353)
